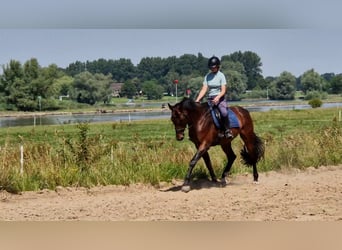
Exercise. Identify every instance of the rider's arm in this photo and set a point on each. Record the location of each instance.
(202, 93)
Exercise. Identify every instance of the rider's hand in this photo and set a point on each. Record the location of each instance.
(216, 100)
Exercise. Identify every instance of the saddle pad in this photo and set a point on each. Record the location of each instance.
(233, 120)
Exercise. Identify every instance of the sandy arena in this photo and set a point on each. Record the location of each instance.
(310, 195)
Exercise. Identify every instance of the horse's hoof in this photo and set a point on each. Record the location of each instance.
(256, 182)
(223, 182)
(186, 188)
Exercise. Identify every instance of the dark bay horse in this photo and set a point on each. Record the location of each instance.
(204, 134)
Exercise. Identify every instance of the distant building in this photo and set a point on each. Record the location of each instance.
(116, 89)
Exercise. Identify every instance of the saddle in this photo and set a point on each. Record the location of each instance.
(216, 115)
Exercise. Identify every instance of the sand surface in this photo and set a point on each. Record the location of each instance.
(310, 195)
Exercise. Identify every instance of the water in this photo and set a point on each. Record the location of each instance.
(133, 116)
(75, 118)
(289, 107)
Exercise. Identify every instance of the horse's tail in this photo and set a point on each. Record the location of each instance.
(258, 148)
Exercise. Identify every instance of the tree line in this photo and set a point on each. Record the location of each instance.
(30, 87)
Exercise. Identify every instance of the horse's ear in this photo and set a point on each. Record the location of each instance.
(170, 107)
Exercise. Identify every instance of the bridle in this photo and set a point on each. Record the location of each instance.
(188, 124)
(180, 130)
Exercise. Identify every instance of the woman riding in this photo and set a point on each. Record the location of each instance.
(216, 83)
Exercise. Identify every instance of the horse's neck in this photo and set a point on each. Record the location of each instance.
(198, 117)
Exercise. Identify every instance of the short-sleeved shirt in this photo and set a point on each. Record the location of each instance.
(214, 82)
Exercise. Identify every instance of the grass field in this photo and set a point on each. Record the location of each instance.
(147, 151)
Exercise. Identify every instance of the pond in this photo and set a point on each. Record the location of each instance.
(38, 120)
(76, 118)
(264, 108)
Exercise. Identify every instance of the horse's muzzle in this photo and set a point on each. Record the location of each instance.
(180, 136)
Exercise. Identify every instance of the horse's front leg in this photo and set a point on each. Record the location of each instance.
(194, 160)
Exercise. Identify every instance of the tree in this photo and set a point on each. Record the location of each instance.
(31, 70)
(328, 76)
(311, 81)
(152, 90)
(194, 86)
(202, 64)
(12, 72)
(237, 85)
(63, 85)
(45, 89)
(15, 90)
(152, 68)
(89, 88)
(252, 65)
(283, 87)
(75, 68)
(24, 87)
(122, 69)
(236, 79)
(44, 84)
(187, 64)
(129, 89)
(336, 84)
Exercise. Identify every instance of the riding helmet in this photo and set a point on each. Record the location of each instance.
(214, 62)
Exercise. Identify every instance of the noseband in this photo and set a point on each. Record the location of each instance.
(180, 130)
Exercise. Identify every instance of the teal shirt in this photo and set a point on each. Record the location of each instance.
(214, 82)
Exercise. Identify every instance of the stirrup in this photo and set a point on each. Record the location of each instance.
(221, 134)
(228, 134)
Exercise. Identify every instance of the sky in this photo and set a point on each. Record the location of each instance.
(294, 36)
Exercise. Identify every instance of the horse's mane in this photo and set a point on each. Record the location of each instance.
(189, 104)
(192, 106)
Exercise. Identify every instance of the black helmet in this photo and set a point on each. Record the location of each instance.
(213, 62)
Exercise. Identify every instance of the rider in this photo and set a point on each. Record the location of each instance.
(215, 82)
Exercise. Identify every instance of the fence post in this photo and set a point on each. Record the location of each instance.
(111, 154)
(21, 159)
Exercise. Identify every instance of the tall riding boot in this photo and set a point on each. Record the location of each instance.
(227, 131)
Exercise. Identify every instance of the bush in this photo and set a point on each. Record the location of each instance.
(315, 103)
(50, 104)
(316, 94)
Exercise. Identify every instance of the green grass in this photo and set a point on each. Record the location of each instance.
(301, 138)
(123, 153)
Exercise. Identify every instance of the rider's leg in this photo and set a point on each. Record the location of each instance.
(226, 125)
(225, 120)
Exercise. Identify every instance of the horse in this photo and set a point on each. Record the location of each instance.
(205, 133)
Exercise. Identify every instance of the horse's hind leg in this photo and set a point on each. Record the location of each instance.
(227, 148)
(207, 161)
(255, 173)
(252, 152)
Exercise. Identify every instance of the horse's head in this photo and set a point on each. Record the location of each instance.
(179, 117)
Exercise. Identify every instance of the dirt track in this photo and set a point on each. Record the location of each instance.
(311, 195)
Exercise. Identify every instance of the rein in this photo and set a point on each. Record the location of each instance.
(183, 129)
(189, 120)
